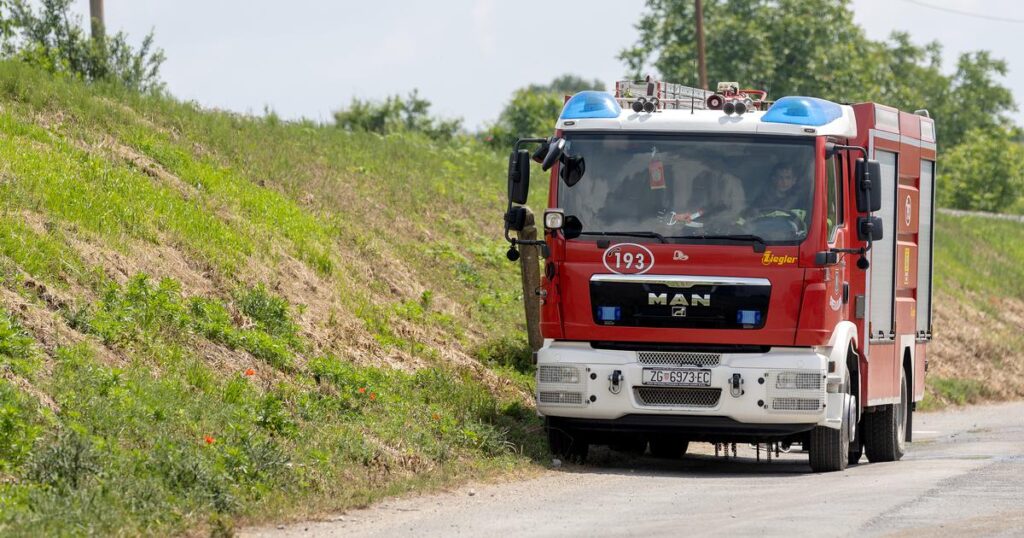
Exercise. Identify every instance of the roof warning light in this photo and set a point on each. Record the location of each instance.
(803, 111)
(591, 104)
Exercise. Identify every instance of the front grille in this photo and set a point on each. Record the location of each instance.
(680, 358)
(677, 396)
(691, 348)
(796, 404)
(560, 398)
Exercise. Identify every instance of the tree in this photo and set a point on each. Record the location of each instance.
(534, 109)
(974, 99)
(395, 115)
(567, 84)
(53, 38)
(985, 172)
(813, 47)
(790, 47)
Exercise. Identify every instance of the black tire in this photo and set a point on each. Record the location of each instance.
(668, 448)
(829, 450)
(856, 448)
(567, 444)
(885, 430)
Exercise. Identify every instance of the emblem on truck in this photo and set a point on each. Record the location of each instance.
(628, 259)
(679, 299)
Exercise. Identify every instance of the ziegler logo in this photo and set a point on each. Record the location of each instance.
(679, 299)
(772, 259)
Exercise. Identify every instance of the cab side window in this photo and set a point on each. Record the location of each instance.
(834, 202)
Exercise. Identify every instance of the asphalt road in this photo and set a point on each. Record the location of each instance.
(963, 475)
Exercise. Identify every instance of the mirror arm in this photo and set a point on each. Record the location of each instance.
(861, 250)
(830, 146)
(523, 141)
(862, 263)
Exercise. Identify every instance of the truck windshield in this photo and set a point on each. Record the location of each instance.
(692, 189)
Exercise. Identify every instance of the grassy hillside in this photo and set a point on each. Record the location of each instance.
(207, 318)
(978, 351)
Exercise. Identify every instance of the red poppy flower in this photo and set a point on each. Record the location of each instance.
(373, 395)
(361, 390)
(209, 439)
(250, 372)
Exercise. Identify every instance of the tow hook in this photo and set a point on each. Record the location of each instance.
(735, 385)
(615, 385)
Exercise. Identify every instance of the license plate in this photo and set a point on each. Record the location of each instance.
(677, 377)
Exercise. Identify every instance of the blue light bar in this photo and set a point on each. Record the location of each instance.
(803, 111)
(591, 104)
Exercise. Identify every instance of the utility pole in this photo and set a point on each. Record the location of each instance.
(96, 17)
(698, 9)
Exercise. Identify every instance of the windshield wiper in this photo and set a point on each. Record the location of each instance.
(654, 235)
(758, 240)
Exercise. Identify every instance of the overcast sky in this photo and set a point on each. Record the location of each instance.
(307, 58)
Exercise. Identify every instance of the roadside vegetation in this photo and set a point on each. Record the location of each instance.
(208, 318)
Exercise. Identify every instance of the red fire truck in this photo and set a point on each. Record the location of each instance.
(732, 274)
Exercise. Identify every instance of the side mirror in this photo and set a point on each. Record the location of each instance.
(519, 176)
(572, 170)
(555, 150)
(869, 185)
(869, 228)
(572, 227)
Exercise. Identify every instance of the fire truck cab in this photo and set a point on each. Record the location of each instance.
(731, 274)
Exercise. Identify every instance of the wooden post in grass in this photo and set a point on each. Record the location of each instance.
(529, 266)
(96, 17)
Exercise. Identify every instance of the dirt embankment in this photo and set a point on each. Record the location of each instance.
(978, 349)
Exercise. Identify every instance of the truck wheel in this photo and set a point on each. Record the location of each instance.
(885, 431)
(567, 444)
(857, 448)
(668, 447)
(830, 449)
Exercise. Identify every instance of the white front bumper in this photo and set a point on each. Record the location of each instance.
(766, 393)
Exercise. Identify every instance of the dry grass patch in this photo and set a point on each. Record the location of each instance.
(978, 351)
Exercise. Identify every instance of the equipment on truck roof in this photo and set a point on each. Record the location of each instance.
(652, 95)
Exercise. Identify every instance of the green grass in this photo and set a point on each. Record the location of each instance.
(165, 439)
(953, 391)
(136, 429)
(979, 255)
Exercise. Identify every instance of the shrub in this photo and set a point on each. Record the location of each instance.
(396, 115)
(52, 38)
(985, 172)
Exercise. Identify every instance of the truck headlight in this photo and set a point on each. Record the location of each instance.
(566, 375)
(798, 380)
(553, 219)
